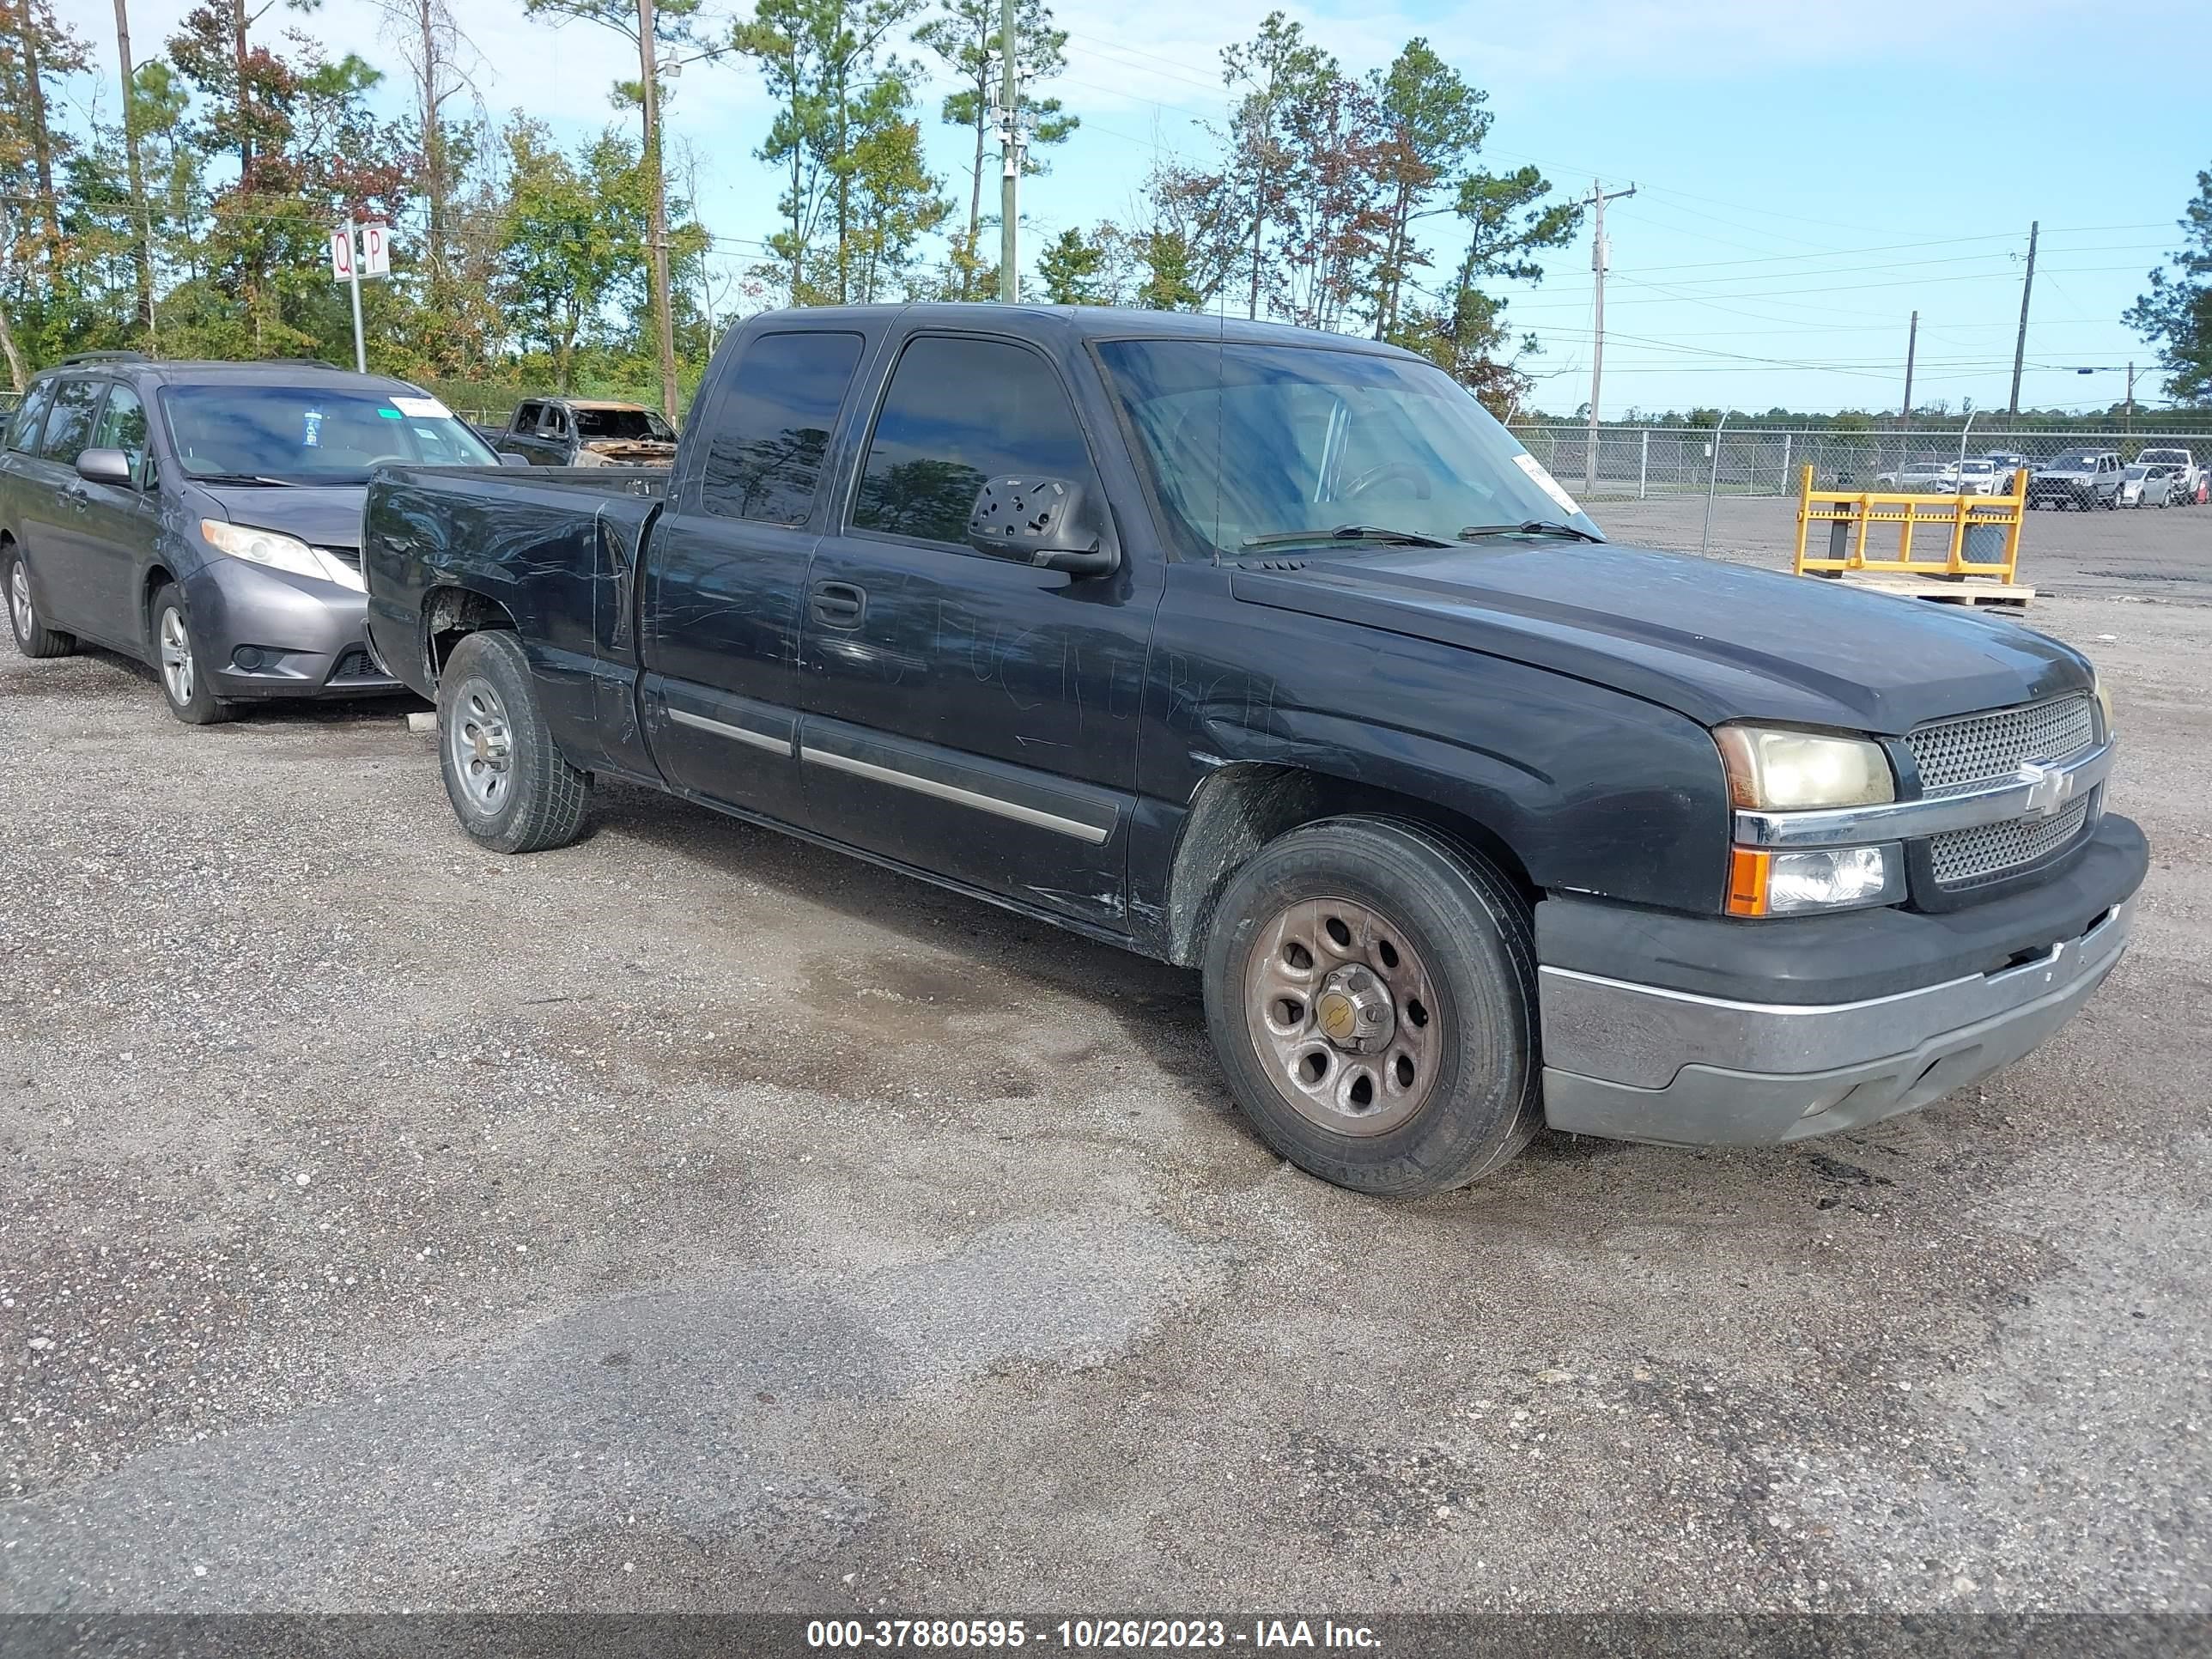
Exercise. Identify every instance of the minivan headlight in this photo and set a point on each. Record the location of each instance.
(279, 552)
(1773, 769)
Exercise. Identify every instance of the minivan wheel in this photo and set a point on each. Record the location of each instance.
(1370, 993)
(33, 637)
(511, 787)
(184, 682)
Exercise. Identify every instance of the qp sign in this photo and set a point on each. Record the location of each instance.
(342, 254)
(375, 250)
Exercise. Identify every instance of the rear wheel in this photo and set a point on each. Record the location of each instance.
(511, 787)
(33, 637)
(184, 682)
(1370, 991)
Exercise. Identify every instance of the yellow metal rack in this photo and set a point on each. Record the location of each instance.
(1982, 526)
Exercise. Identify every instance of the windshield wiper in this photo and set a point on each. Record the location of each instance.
(241, 479)
(1373, 533)
(1529, 527)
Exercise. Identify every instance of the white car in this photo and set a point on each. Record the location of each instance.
(2150, 486)
(1935, 476)
(1980, 478)
(2189, 477)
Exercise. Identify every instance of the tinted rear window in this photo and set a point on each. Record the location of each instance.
(772, 432)
(69, 427)
(30, 415)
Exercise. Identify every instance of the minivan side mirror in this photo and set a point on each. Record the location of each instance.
(1053, 524)
(105, 466)
(509, 458)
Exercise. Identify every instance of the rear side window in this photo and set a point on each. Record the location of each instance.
(30, 415)
(960, 412)
(772, 432)
(526, 419)
(69, 427)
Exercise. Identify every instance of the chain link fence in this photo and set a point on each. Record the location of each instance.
(1638, 463)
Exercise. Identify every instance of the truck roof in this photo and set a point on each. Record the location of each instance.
(290, 371)
(1086, 322)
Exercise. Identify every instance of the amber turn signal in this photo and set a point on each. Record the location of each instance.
(1747, 887)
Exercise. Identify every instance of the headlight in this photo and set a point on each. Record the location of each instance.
(1764, 884)
(2104, 702)
(279, 552)
(1770, 770)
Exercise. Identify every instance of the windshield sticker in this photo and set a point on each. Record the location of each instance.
(1545, 481)
(422, 409)
(311, 436)
(389, 415)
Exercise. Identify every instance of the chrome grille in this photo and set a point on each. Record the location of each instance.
(1957, 755)
(1966, 858)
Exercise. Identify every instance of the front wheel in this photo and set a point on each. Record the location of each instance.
(1370, 993)
(184, 682)
(511, 787)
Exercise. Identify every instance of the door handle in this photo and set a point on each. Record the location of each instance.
(839, 605)
(78, 495)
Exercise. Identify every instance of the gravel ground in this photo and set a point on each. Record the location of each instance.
(690, 1218)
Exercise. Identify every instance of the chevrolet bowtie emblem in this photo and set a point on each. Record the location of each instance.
(2048, 789)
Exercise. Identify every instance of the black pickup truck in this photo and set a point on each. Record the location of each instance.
(1270, 654)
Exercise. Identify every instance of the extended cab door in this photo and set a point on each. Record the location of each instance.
(965, 715)
(726, 567)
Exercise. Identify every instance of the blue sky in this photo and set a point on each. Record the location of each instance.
(1808, 173)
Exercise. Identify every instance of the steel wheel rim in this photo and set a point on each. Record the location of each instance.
(19, 600)
(1316, 947)
(480, 745)
(176, 650)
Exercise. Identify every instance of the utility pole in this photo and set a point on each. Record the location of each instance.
(2128, 419)
(1911, 348)
(1009, 152)
(2019, 342)
(649, 72)
(142, 256)
(1599, 255)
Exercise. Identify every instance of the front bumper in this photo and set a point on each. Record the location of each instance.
(264, 633)
(1632, 1060)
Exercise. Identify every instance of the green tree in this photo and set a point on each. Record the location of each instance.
(856, 192)
(1073, 269)
(572, 241)
(2175, 314)
(1277, 71)
(964, 35)
(1433, 123)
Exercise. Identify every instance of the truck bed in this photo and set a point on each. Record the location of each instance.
(553, 546)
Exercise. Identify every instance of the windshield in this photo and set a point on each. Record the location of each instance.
(2074, 460)
(1249, 440)
(1979, 466)
(597, 425)
(323, 435)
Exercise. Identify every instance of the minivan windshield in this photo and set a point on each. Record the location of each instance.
(315, 434)
(1250, 444)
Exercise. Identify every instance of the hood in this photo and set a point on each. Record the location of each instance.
(325, 515)
(1714, 641)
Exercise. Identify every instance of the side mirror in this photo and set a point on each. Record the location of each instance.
(1050, 523)
(509, 458)
(105, 466)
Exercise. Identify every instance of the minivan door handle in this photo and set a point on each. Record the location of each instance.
(839, 605)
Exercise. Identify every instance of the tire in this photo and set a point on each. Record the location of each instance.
(1455, 940)
(33, 637)
(177, 664)
(510, 786)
